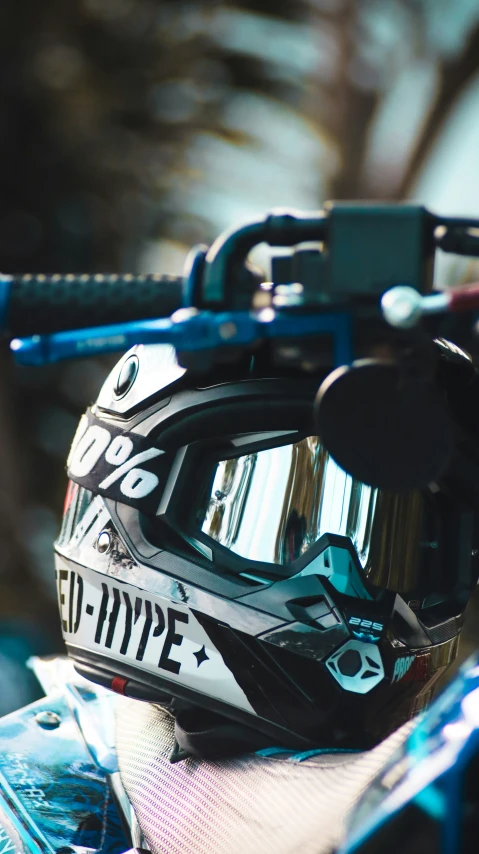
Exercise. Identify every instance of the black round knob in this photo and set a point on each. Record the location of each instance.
(384, 430)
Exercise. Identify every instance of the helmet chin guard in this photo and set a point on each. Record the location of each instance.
(216, 560)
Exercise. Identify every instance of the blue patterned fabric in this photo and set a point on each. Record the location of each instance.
(52, 794)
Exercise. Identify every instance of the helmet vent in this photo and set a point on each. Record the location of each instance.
(356, 666)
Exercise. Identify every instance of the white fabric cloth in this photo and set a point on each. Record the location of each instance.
(245, 805)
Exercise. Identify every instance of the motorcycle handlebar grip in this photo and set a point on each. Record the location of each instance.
(40, 304)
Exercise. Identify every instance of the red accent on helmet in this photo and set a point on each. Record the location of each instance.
(118, 684)
(420, 669)
(72, 490)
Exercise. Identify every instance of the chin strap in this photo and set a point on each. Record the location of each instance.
(210, 736)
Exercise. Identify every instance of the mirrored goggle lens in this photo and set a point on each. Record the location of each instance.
(273, 505)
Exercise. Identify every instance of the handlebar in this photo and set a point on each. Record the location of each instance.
(359, 249)
(41, 304)
(350, 282)
(339, 263)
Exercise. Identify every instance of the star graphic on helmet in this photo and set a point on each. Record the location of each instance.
(201, 656)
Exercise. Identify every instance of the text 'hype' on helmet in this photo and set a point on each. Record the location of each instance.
(215, 559)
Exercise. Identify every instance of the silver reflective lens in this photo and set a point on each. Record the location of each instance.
(273, 505)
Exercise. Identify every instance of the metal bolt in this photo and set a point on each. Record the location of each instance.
(103, 543)
(227, 330)
(127, 376)
(288, 296)
(401, 306)
(266, 315)
(48, 720)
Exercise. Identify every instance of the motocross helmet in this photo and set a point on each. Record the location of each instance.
(215, 559)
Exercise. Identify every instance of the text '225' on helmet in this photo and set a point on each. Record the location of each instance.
(215, 559)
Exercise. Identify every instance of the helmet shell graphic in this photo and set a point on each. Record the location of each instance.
(357, 666)
(213, 557)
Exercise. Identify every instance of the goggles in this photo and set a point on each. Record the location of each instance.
(260, 505)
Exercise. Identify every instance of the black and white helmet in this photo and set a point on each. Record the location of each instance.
(215, 559)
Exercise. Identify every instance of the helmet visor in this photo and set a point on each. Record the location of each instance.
(273, 505)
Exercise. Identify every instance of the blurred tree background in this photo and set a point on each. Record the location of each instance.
(131, 129)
